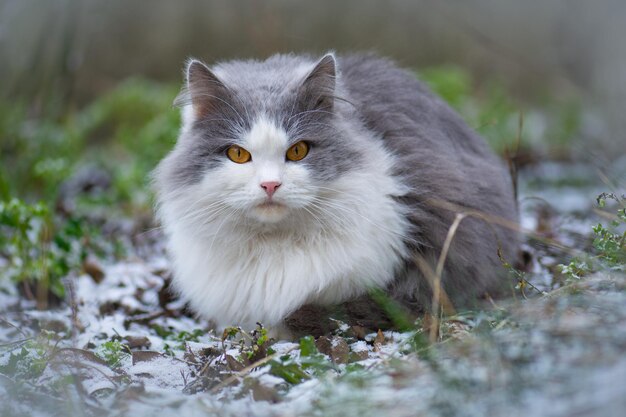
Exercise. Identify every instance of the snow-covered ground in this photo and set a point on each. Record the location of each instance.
(121, 346)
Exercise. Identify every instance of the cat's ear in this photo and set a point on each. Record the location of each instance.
(205, 92)
(319, 85)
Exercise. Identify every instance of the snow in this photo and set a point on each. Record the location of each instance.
(555, 356)
(160, 372)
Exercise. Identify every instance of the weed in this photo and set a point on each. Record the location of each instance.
(253, 346)
(28, 360)
(609, 244)
(311, 359)
(40, 252)
(179, 340)
(575, 269)
(113, 352)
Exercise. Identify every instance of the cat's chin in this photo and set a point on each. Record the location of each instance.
(270, 212)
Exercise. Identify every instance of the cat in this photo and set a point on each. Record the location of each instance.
(299, 183)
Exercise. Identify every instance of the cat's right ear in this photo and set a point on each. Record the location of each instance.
(318, 88)
(204, 91)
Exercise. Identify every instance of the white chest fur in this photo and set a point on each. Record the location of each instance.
(234, 276)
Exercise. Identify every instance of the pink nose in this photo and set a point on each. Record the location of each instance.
(270, 187)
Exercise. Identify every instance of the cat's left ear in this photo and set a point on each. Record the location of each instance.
(319, 85)
(205, 92)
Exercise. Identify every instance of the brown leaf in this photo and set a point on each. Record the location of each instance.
(137, 342)
(336, 347)
(360, 332)
(144, 356)
(380, 338)
(93, 269)
(323, 345)
(262, 392)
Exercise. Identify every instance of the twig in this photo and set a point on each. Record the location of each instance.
(439, 273)
(17, 342)
(441, 296)
(74, 308)
(425, 268)
(145, 318)
(513, 157)
(446, 244)
(14, 326)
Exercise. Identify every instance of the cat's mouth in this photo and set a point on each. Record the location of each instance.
(270, 204)
(270, 211)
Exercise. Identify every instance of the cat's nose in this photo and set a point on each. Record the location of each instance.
(270, 187)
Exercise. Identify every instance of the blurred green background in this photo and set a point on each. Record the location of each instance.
(87, 86)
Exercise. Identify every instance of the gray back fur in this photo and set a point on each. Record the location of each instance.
(441, 158)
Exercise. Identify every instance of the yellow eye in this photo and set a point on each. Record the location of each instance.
(297, 151)
(238, 154)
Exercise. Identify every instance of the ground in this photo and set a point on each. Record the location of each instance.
(88, 327)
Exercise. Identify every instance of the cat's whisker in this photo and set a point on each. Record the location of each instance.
(379, 227)
(217, 232)
(343, 99)
(200, 212)
(338, 206)
(341, 218)
(241, 120)
(302, 113)
(204, 218)
(199, 225)
(293, 107)
(208, 218)
(353, 197)
(337, 221)
(321, 222)
(194, 208)
(307, 129)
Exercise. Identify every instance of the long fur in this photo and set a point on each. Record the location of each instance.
(355, 210)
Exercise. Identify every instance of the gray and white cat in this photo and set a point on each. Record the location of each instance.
(299, 182)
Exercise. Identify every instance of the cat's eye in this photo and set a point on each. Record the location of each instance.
(297, 151)
(238, 154)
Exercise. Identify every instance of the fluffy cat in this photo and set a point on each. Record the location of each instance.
(299, 183)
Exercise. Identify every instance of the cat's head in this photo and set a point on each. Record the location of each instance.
(260, 140)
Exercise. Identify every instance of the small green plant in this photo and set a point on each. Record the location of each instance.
(609, 244)
(178, 339)
(517, 276)
(311, 359)
(310, 363)
(28, 360)
(575, 269)
(38, 252)
(610, 241)
(113, 352)
(253, 346)
(27, 245)
(289, 370)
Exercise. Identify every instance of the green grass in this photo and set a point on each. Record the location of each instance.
(125, 133)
